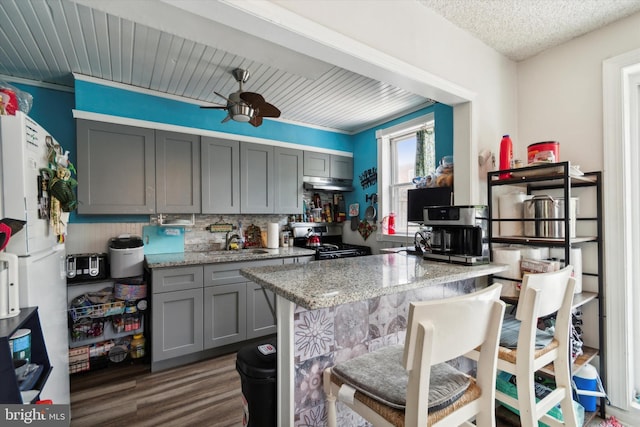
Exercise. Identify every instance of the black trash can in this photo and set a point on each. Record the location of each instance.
(257, 367)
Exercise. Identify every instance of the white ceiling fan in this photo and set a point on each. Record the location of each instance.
(245, 106)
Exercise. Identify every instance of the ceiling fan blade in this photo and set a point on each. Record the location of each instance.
(268, 110)
(255, 100)
(226, 119)
(256, 120)
(214, 107)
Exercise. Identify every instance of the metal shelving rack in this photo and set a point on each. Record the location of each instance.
(559, 176)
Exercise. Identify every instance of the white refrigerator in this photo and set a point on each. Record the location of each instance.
(41, 258)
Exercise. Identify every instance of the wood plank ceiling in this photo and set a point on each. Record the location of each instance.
(48, 40)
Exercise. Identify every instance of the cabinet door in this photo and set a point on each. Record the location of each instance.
(177, 172)
(256, 178)
(116, 169)
(261, 306)
(317, 164)
(288, 180)
(220, 166)
(176, 321)
(225, 314)
(341, 167)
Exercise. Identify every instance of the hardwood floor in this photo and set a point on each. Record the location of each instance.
(201, 394)
(204, 394)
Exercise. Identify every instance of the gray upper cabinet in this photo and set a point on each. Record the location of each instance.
(288, 180)
(256, 178)
(341, 167)
(317, 164)
(116, 169)
(177, 172)
(220, 166)
(326, 165)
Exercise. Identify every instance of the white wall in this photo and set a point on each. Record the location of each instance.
(560, 93)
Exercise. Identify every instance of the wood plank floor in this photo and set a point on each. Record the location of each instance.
(204, 394)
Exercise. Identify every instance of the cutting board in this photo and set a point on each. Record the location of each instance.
(162, 240)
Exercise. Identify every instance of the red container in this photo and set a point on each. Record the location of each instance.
(547, 151)
(506, 155)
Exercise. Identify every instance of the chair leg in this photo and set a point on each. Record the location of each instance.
(526, 400)
(332, 417)
(563, 379)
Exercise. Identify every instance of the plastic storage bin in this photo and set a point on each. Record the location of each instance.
(256, 365)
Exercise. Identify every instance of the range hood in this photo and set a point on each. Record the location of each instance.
(327, 184)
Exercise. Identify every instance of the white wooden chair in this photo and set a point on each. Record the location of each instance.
(397, 385)
(541, 295)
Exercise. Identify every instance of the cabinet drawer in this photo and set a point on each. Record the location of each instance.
(176, 279)
(229, 273)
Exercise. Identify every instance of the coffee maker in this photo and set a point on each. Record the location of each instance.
(458, 234)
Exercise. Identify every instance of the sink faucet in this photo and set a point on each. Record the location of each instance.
(230, 240)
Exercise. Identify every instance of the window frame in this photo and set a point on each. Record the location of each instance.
(386, 170)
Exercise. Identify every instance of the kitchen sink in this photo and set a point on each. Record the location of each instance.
(256, 251)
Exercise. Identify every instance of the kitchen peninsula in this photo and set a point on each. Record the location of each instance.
(334, 310)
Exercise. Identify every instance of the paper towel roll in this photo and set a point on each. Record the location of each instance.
(510, 257)
(531, 253)
(510, 207)
(273, 235)
(576, 261)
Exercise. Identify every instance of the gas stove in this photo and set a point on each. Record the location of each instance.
(331, 246)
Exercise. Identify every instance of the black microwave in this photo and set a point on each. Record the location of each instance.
(420, 198)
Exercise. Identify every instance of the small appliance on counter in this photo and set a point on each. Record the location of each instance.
(126, 253)
(83, 267)
(459, 234)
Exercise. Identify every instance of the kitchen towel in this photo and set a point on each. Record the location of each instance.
(273, 235)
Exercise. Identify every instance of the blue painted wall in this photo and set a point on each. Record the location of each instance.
(52, 109)
(365, 147)
(103, 99)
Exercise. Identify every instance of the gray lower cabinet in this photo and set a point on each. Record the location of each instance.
(225, 314)
(220, 169)
(261, 311)
(116, 169)
(177, 325)
(200, 307)
(176, 312)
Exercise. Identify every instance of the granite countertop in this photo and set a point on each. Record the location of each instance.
(212, 257)
(329, 283)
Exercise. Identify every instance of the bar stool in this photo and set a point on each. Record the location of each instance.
(541, 295)
(412, 385)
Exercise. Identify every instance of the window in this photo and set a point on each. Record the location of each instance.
(398, 149)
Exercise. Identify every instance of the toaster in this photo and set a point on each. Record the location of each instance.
(81, 267)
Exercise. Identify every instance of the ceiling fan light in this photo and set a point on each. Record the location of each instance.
(241, 112)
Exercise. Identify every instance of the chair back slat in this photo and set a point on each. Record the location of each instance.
(461, 316)
(550, 288)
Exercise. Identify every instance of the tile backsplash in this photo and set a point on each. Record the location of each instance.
(94, 237)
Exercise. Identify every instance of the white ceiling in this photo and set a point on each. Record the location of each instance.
(159, 46)
(520, 29)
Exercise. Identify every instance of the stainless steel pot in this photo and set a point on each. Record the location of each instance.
(543, 217)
